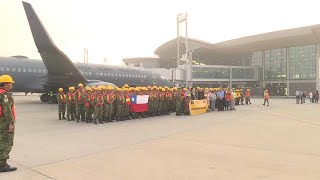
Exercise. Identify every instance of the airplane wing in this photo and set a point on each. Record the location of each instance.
(56, 62)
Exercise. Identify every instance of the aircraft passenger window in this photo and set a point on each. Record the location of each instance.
(24, 70)
(112, 74)
(101, 74)
(116, 75)
(119, 75)
(129, 75)
(44, 71)
(145, 76)
(19, 69)
(34, 70)
(39, 70)
(13, 69)
(2, 68)
(90, 73)
(105, 74)
(29, 70)
(108, 74)
(7, 69)
(85, 73)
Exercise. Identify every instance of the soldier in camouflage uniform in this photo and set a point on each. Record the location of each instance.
(98, 106)
(89, 102)
(120, 101)
(109, 98)
(161, 101)
(186, 105)
(71, 104)
(174, 93)
(61, 104)
(178, 102)
(80, 103)
(7, 122)
(150, 102)
(183, 99)
(155, 100)
(126, 107)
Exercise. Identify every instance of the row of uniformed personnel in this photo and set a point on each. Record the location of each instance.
(105, 103)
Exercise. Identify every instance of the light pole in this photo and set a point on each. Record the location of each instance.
(181, 18)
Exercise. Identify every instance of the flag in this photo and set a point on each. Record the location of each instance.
(139, 103)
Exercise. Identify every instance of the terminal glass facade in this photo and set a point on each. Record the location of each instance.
(242, 73)
(275, 64)
(211, 72)
(302, 62)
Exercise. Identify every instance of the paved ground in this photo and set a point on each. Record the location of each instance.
(254, 142)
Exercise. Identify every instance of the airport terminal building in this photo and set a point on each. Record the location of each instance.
(282, 61)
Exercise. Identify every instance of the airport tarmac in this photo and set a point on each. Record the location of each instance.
(254, 142)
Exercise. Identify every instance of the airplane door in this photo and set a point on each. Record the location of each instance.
(154, 78)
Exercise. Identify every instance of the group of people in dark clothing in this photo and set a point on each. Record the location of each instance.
(301, 96)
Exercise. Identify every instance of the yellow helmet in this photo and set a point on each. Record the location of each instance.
(6, 79)
(149, 87)
(93, 87)
(80, 85)
(103, 87)
(88, 89)
(98, 88)
(71, 88)
(137, 89)
(119, 89)
(109, 87)
(188, 95)
(60, 90)
(126, 85)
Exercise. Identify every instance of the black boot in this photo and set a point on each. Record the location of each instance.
(72, 118)
(7, 168)
(59, 116)
(100, 121)
(63, 115)
(68, 118)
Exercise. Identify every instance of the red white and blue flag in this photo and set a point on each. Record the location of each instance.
(139, 103)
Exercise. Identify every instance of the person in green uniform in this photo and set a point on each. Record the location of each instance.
(108, 97)
(89, 102)
(186, 105)
(98, 108)
(71, 111)
(155, 100)
(126, 108)
(150, 101)
(178, 102)
(7, 122)
(61, 104)
(80, 103)
(120, 101)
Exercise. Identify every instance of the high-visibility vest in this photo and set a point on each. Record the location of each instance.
(13, 110)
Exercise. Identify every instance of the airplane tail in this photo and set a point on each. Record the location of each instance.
(56, 62)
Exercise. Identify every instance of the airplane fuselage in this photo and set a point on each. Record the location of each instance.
(30, 75)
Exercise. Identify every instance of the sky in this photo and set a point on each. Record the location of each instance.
(135, 28)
